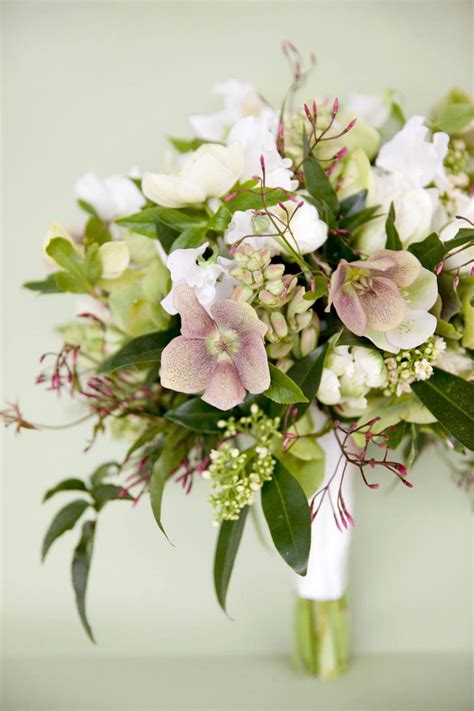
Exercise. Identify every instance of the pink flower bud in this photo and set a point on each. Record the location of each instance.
(307, 112)
(456, 281)
(262, 161)
(439, 268)
(335, 107)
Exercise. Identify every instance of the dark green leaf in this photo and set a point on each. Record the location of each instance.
(196, 415)
(451, 400)
(352, 222)
(429, 252)
(288, 516)
(157, 485)
(347, 338)
(64, 520)
(463, 236)
(97, 231)
(47, 286)
(102, 493)
(191, 237)
(336, 247)
(80, 567)
(394, 435)
(307, 374)
(318, 184)
(451, 303)
(352, 204)
(228, 541)
(144, 438)
(283, 389)
(103, 471)
(393, 239)
(142, 350)
(144, 222)
(65, 485)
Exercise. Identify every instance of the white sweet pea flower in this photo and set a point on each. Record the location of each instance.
(418, 160)
(306, 232)
(417, 325)
(210, 281)
(372, 109)
(111, 198)
(464, 207)
(414, 211)
(115, 258)
(208, 172)
(349, 374)
(240, 99)
(257, 140)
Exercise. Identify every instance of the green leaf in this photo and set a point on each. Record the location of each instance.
(184, 145)
(220, 219)
(80, 567)
(283, 389)
(429, 252)
(142, 350)
(307, 372)
(65, 485)
(347, 338)
(147, 436)
(103, 471)
(352, 222)
(320, 289)
(144, 222)
(87, 207)
(191, 237)
(395, 434)
(463, 236)
(93, 265)
(318, 184)
(451, 400)
(97, 231)
(103, 493)
(393, 239)
(157, 486)
(64, 520)
(447, 330)
(196, 415)
(252, 200)
(308, 474)
(450, 301)
(455, 117)
(288, 516)
(228, 541)
(47, 286)
(66, 256)
(68, 282)
(352, 204)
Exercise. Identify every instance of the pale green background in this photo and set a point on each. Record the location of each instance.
(97, 86)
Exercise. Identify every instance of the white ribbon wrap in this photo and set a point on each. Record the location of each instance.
(327, 574)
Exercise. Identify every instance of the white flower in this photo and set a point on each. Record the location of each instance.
(464, 207)
(423, 369)
(305, 234)
(111, 198)
(208, 172)
(115, 258)
(418, 160)
(418, 325)
(371, 109)
(210, 281)
(240, 99)
(256, 140)
(414, 210)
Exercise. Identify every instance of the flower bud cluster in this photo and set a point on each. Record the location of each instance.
(408, 366)
(281, 303)
(237, 474)
(457, 162)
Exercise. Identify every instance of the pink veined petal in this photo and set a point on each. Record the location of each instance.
(338, 279)
(383, 305)
(195, 321)
(224, 389)
(237, 316)
(186, 365)
(405, 269)
(252, 363)
(349, 310)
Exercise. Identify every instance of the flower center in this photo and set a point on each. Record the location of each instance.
(223, 343)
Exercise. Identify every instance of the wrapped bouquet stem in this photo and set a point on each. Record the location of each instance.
(322, 612)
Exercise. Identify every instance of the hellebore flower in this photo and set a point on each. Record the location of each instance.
(115, 258)
(113, 197)
(386, 298)
(221, 354)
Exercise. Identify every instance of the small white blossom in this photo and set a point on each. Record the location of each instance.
(112, 197)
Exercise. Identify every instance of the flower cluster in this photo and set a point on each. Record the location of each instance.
(408, 366)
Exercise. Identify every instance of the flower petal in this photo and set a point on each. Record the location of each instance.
(416, 328)
(349, 309)
(423, 292)
(405, 269)
(252, 363)
(186, 365)
(195, 321)
(171, 190)
(224, 389)
(238, 316)
(383, 305)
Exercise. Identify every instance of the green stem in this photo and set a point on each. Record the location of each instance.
(322, 637)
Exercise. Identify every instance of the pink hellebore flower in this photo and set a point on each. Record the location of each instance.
(222, 354)
(386, 298)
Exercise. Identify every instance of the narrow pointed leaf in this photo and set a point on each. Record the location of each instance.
(393, 239)
(103, 493)
(142, 350)
(228, 541)
(307, 372)
(47, 286)
(64, 520)
(65, 485)
(451, 400)
(80, 568)
(157, 486)
(288, 516)
(283, 389)
(196, 415)
(318, 184)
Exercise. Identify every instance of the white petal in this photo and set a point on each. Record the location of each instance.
(115, 258)
(126, 197)
(329, 390)
(423, 293)
(171, 190)
(414, 330)
(91, 189)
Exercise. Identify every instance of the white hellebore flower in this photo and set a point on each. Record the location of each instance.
(240, 99)
(349, 374)
(418, 160)
(373, 110)
(111, 198)
(208, 172)
(115, 258)
(306, 232)
(210, 281)
(256, 140)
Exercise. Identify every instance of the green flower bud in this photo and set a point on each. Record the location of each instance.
(279, 324)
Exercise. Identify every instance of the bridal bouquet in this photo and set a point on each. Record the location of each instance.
(287, 306)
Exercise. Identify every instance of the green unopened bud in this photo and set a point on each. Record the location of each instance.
(258, 277)
(308, 340)
(275, 287)
(303, 320)
(236, 271)
(246, 277)
(274, 271)
(280, 349)
(267, 299)
(242, 293)
(279, 324)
